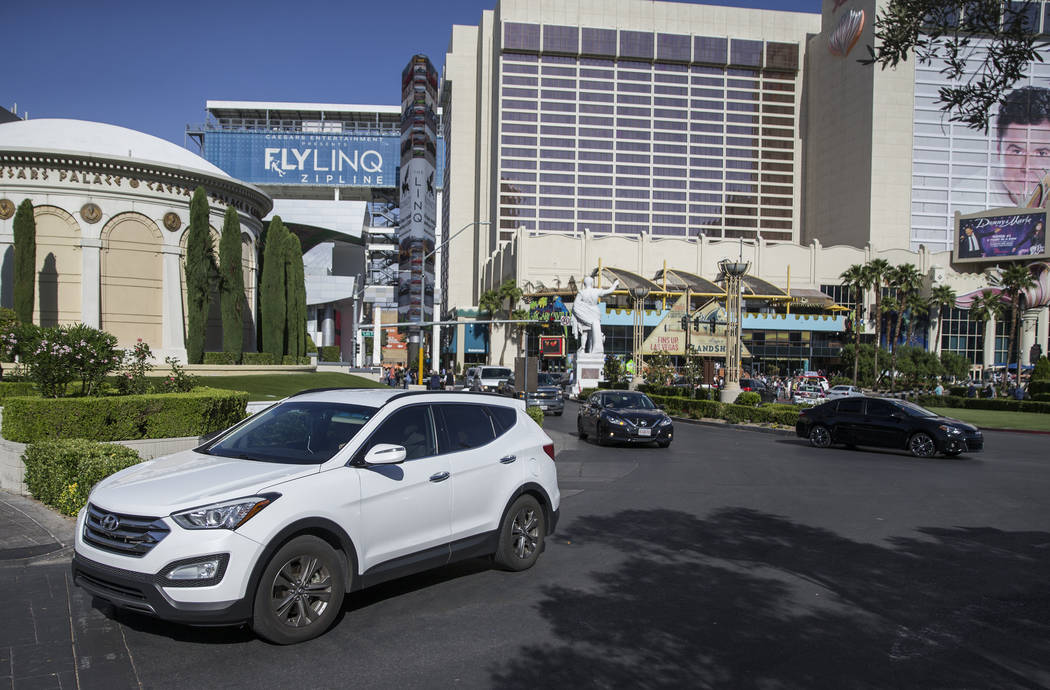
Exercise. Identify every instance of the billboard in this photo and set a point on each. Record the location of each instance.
(304, 158)
(1000, 234)
(418, 211)
(707, 332)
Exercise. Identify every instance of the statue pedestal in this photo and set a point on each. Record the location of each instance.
(588, 371)
(729, 393)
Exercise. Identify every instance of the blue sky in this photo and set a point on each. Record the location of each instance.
(151, 65)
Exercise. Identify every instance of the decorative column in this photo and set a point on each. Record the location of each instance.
(173, 318)
(91, 281)
(377, 337)
(989, 343)
(327, 325)
(1043, 327)
(733, 273)
(1029, 322)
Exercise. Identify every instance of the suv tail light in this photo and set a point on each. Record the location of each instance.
(549, 450)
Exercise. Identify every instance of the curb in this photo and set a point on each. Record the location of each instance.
(1014, 431)
(738, 427)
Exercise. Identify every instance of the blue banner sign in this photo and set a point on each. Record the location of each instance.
(303, 158)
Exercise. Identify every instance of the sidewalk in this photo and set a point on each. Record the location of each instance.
(30, 532)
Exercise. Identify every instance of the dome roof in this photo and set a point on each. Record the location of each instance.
(80, 137)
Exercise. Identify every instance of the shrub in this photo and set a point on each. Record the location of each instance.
(1007, 404)
(618, 386)
(137, 363)
(1041, 370)
(748, 398)
(225, 358)
(312, 347)
(1041, 397)
(1038, 387)
(12, 389)
(957, 390)
(841, 381)
(536, 414)
(119, 418)
(177, 380)
(329, 353)
(61, 472)
(586, 393)
(257, 358)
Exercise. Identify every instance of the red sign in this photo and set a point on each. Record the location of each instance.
(552, 346)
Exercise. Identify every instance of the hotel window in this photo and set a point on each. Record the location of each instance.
(745, 53)
(521, 36)
(962, 335)
(636, 44)
(672, 47)
(712, 50)
(782, 56)
(561, 39)
(598, 42)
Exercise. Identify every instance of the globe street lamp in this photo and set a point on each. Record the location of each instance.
(639, 294)
(733, 273)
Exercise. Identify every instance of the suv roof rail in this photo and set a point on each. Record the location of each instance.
(442, 391)
(333, 388)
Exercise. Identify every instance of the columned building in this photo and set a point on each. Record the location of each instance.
(112, 212)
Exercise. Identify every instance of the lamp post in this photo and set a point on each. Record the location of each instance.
(639, 294)
(733, 273)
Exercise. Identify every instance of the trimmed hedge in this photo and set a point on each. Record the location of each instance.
(1038, 388)
(536, 414)
(1007, 404)
(61, 472)
(220, 358)
(119, 418)
(258, 358)
(292, 359)
(621, 386)
(329, 353)
(11, 389)
(749, 398)
(786, 415)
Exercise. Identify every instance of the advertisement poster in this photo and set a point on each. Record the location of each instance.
(707, 334)
(1001, 234)
(418, 217)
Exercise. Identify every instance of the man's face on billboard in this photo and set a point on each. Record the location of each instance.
(1024, 152)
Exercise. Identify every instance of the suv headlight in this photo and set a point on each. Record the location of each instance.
(225, 515)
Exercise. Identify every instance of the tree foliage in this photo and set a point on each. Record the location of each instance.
(231, 285)
(983, 46)
(1015, 279)
(272, 311)
(1041, 371)
(613, 370)
(295, 297)
(200, 269)
(854, 277)
(25, 261)
(955, 365)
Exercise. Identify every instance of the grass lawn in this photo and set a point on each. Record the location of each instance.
(998, 419)
(277, 386)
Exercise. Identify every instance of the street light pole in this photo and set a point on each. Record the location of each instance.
(639, 293)
(733, 272)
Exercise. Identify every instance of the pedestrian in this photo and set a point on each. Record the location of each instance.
(450, 379)
(971, 390)
(939, 389)
(435, 381)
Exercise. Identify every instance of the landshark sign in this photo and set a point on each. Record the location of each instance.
(709, 341)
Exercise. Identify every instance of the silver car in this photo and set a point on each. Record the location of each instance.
(844, 392)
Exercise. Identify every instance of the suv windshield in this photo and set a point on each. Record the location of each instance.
(302, 433)
(495, 373)
(548, 379)
(625, 400)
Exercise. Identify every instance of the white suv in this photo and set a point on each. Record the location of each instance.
(324, 493)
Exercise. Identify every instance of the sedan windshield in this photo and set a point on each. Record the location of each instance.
(915, 410)
(302, 433)
(628, 400)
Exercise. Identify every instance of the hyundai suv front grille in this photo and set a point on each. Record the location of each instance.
(129, 535)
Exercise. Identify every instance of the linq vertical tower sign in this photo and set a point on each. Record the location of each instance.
(415, 232)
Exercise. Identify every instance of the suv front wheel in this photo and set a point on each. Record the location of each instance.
(521, 534)
(300, 592)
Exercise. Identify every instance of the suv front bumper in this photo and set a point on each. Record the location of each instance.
(144, 593)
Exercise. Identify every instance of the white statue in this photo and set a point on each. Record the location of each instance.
(586, 318)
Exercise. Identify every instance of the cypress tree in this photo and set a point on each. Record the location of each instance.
(231, 290)
(272, 291)
(295, 297)
(200, 266)
(25, 261)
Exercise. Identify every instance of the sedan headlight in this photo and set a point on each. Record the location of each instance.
(664, 422)
(950, 429)
(226, 515)
(613, 419)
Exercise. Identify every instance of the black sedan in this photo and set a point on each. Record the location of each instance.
(623, 416)
(858, 421)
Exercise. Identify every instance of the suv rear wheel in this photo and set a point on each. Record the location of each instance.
(521, 534)
(300, 592)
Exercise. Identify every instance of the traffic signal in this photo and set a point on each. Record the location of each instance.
(685, 323)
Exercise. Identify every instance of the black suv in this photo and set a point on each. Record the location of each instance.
(756, 386)
(889, 423)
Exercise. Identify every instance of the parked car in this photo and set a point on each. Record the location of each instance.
(625, 416)
(548, 395)
(844, 392)
(888, 423)
(808, 394)
(489, 379)
(756, 386)
(324, 493)
(814, 380)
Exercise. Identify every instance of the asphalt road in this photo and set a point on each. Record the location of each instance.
(731, 559)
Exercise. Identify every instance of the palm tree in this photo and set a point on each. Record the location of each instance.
(906, 281)
(1015, 280)
(875, 276)
(489, 302)
(505, 299)
(989, 305)
(855, 279)
(941, 296)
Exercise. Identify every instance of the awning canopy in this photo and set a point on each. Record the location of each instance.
(810, 296)
(678, 281)
(628, 280)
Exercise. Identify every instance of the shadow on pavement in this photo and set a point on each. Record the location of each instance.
(746, 599)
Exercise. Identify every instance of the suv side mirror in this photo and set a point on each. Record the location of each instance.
(385, 454)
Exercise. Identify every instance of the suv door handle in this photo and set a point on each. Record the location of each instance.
(439, 477)
(507, 459)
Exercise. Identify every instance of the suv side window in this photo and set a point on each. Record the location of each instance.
(504, 418)
(410, 427)
(464, 426)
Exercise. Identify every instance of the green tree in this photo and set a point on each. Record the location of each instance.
(906, 282)
(613, 370)
(502, 301)
(955, 365)
(231, 285)
(940, 296)
(1041, 370)
(1015, 279)
(855, 279)
(295, 297)
(875, 272)
(25, 261)
(200, 270)
(985, 47)
(272, 312)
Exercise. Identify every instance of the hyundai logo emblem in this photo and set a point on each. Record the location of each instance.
(110, 523)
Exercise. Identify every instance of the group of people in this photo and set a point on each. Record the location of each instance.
(397, 376)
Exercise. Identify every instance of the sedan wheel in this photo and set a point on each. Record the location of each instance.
(579, 429)
(922, 446)
(820, 437)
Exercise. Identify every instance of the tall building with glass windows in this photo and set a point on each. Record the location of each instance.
(623, 117)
